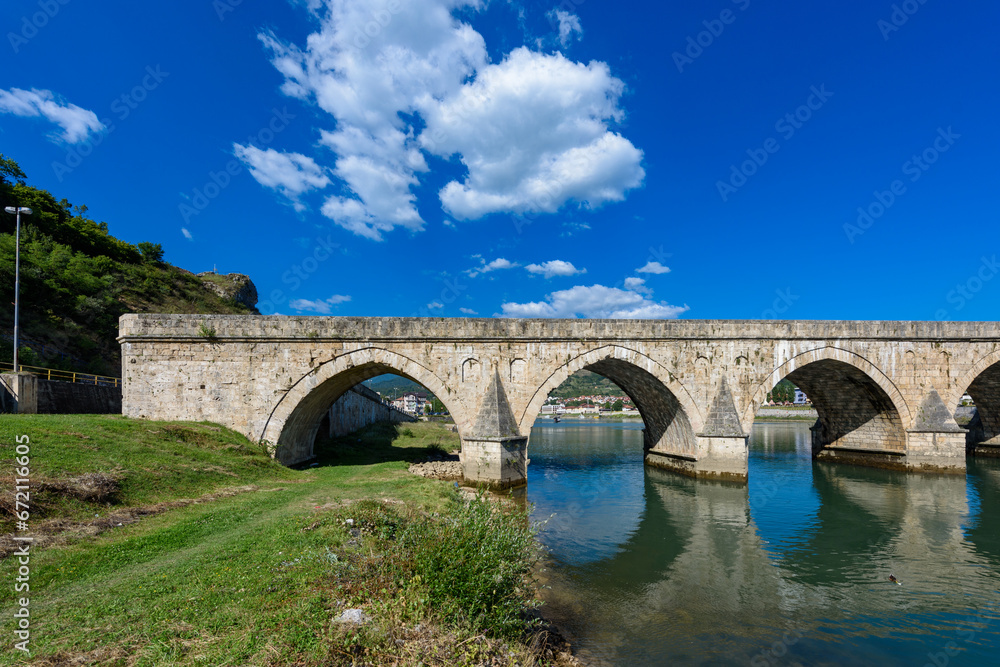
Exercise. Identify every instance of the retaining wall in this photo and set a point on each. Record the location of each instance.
(28, 394)
(360, 407)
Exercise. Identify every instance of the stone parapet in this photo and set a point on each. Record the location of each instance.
(508, 329)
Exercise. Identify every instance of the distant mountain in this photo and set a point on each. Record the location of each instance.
(582, 383)
(585, 383)
(393, 386)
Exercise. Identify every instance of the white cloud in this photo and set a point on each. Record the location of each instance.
(76, 122)
(497, 264)
(574, 227)
(435, 305)
(467, 311)
(187, 234)
(568, 23)
(596, 301)
(323, 307)
(653, 267)
(532, 130)
(291, 174)
(634, 284)
(533, 133)
(556, 267)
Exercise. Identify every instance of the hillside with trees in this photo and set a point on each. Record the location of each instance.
(581, 383)
(393, 386)
(585, 383)
(77, 280)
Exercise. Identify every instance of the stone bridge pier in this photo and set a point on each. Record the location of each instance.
(886, 392)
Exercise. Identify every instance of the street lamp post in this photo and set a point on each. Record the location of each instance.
(17, 271)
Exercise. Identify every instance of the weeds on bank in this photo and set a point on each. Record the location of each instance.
(468, 566)
(467, 569)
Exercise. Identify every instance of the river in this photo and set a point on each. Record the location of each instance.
(646, 567)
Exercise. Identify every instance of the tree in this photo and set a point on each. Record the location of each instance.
(617, 406)
(10, 169)
(783, 392)
(151, 252)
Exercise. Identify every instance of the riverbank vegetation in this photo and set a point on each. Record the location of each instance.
(183, 543)
(787, 413)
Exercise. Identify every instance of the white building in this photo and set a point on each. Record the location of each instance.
(800, 397)
(411, 403)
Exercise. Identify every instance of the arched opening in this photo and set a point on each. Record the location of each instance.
(853, 410)
(305, 410)
(978, 410)
(667, 425)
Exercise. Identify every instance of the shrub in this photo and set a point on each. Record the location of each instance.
(474, 565)
(436, 448)
(151, 252)
(206, 331)
(469, 567)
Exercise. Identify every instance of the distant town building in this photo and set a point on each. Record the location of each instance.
(411, 403)
(800, 397)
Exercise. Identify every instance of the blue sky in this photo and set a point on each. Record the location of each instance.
(724, 159)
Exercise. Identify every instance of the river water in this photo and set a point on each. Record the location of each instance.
(645, 567)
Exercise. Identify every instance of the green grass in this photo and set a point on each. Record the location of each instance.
(389, 442)
(256, 578)
(153, 462)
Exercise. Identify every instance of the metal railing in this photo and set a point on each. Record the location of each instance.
(65, 376)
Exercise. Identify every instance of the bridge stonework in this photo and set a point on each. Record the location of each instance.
(885, 391)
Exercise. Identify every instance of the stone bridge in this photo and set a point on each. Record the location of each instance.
(885, 391)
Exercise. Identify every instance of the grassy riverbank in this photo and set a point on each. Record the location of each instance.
(786, 413)
(172, 543)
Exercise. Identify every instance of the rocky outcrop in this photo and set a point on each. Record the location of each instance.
(234, 286)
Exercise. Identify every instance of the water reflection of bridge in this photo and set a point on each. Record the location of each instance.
(698, 554)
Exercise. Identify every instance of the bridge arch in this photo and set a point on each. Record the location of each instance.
(858, 405)
(668, 411)
(982, 383)
(975, 373)
(821, 354)
(293, 423)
